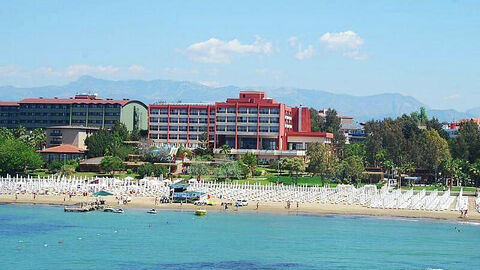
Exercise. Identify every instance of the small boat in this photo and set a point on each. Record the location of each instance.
(152, 211)
(113, 210)
(200, 212)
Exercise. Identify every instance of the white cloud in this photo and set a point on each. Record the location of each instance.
(210, 83)
(9, 71)
(454, 96)
(348, 42)
(304, 53)
(216, 50)
(301, 53)
(77, 70)
(293, 40)
(136, 69)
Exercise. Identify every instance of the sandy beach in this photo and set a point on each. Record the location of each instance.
(264, 207)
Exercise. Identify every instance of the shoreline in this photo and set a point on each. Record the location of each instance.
(264, 207)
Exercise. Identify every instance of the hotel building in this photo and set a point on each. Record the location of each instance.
(251, 122)
(82, 110)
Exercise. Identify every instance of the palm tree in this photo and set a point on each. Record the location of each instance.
(39, 138)
(225, 150)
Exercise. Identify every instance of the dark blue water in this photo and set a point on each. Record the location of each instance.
(44, 237)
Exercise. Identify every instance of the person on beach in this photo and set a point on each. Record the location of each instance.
(297, 205)
(257, 206)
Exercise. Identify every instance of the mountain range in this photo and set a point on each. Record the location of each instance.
(362, 108)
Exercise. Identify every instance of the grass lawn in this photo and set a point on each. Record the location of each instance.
(85, 174)
(440, 188)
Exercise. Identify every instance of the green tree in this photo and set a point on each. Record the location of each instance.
(293, 165)
(225, 150)
(159, 170)
(316, 121)
(353, 168)
(250, 160)
(145, 170)
(229, 170)
(198, 169)
(98, 142)
(120, 129)
(6, 134)
(322, 160)
(17, 157)
(111, 164)
(20, 131)
(39, 138)
(435, 149)
(467, 144)
(355, 149)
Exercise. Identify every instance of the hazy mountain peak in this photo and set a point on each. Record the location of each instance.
(361, 107)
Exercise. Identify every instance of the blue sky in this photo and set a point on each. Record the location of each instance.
(426, 49)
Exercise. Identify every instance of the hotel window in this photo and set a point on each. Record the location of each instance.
(154, 136)
(242, 119)
(212, 120)
(242, 110)
(182, 136)
(273, 129)
(163, 128)
(242, 129)
(230, 128)
(211, 137)
(154, 128)
(263, 119)
(173, 111)
(221, 118)
(182, 128)
(203, 120)
(192, 128)
(202, 128)
(174, 128)
(211, 129)
(203, 112)
(212, 112)
(252, 128)
(183, 120)
(264, 110)
(163, 120)
(252, 119)
(193, 137)
(153, 119)
(172, 136)
(274, 120)
(231, 110)
(173, 120)
(274, 111)
(231, 119)
(221, 110)
(162, 136)
(220, 128)
(263, 129)
(194, 112)
(154, 111)
(163, 111)
(184, 112)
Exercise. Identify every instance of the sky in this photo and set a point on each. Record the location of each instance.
(426, 49)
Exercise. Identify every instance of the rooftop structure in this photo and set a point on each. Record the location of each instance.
(62, 153)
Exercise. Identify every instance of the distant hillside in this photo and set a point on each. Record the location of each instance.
(361, 107)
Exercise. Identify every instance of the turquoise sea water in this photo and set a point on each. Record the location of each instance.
(44, 237)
